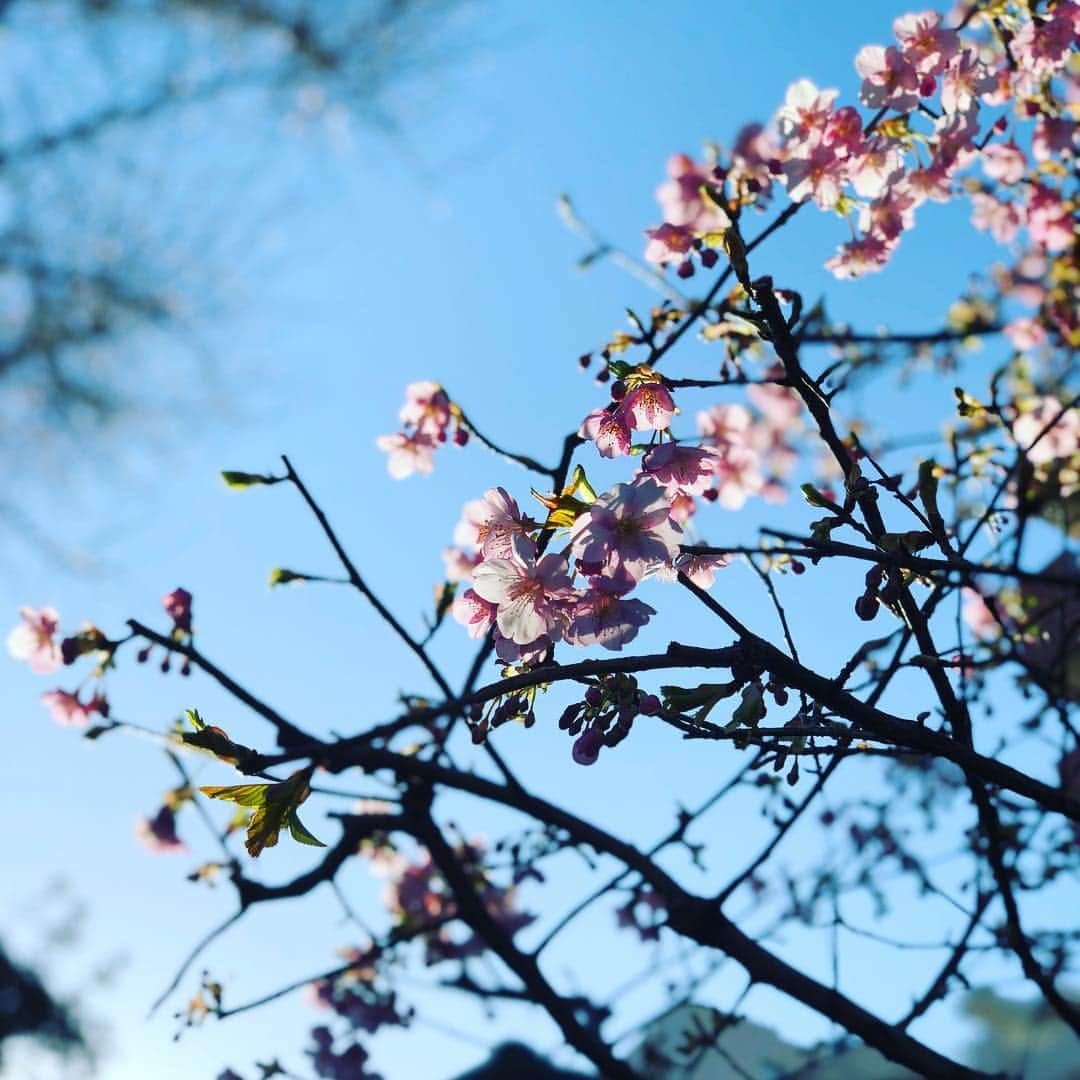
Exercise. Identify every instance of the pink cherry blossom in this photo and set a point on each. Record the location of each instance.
(865, 255)
(68, 711)
(459, 564)
(700, 569)
(737, 476)
(680, 196)
(965, 80)
(627, 532)
(529, 595)
(648, 407)
(158, 834)
(609, 430)
(1003, 219)
(668, 244)
(820, 175)
(489, 524)
(426, 409)
(780, 405)
(979, 618)
(725, 425)
(889, 217)
(888, 79)
(177, 605)
(1004, 162)
(474, 613)
(32, 640)
(1050, 222)
(1062, 440)
(934, 183)
(876, 168)
(1041, 47)
(844, 132)
(408, 453)
(805, 112)
(683, 507)
(753, 158)
(1025, 333)
(1055, 136)
(925, 42)
(603, 617)
(686, 469)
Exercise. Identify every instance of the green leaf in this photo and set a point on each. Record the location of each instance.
(816, 498)
(241, 794)
(275, 808)
(194, 719)
(240, 480)
(300, 833)
(280, 576)
(751, 708)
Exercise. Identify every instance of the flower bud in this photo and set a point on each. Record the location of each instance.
(866, 607)
(649, 704)
(587, 747)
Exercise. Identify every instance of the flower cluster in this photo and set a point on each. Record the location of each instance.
(429, 419)
(416, 895)
(878, 172)
(605, 716)
(529, 599)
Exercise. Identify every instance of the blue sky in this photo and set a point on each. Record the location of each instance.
(437, 255)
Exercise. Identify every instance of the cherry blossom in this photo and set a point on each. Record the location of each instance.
(648, 407)
(680, 196)
(668, 244)
(529, 595)
(979, 618)
(426, 409)
(158, 834)
(1003, 219)
(489, 524)
(1004, 162)
(1062, 440)
(603, 617)
(459, 564)
(888, 78)
(820, 175)
(725, 425)
(737, 476)
(177, 605)
(626, 532)
(1025, 333)
(408, 453)
(609, 430)
(686, 469)
(966, 79)
(68, 711)
(805, 112)
(32, 640)
(474, 613)
(1050, 222)
(924, 42)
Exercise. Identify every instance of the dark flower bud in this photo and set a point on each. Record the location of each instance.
(866, 607)
(649, 704)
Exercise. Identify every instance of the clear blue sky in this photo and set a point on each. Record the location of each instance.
(436, 257)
